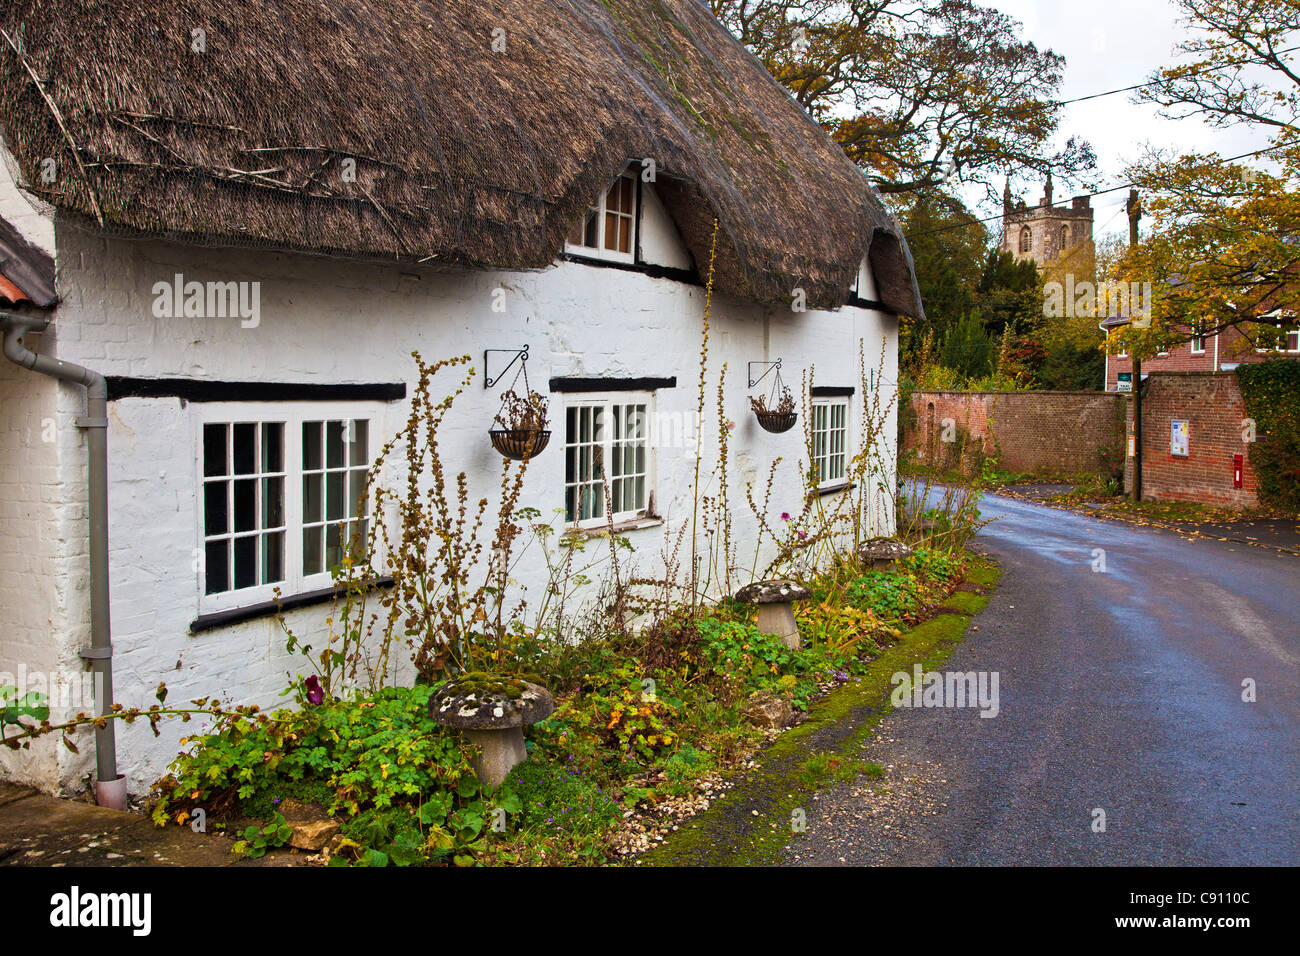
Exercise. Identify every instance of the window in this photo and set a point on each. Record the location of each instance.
(608, 230)
(607, 443)
(1290, 338)
(830, 440)
(1065, 237)
(281, 497)
(1026, 239)
(1198, 337)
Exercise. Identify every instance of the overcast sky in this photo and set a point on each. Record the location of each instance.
(1109, 44)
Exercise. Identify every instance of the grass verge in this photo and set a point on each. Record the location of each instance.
(752, 823)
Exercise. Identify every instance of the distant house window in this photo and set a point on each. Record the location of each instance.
(608, 466)
(1289, 337)
(609, 227)
(1065, 236)
(830, 440)
(281, 501)
(1026, 239)
(1198, 338)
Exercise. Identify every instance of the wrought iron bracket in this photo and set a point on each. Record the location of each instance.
(770, 365)
(519, 355)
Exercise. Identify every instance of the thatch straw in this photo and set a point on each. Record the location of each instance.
(465, 157)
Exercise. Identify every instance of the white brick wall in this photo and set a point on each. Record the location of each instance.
(342, 322)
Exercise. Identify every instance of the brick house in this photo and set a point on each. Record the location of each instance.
(1221, 352)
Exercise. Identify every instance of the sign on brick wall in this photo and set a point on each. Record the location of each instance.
(1179, 433)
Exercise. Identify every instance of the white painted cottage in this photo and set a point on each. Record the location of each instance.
(349, 181)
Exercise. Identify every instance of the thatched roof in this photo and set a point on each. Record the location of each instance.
(465, 157)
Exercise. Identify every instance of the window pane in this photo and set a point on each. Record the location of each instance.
(611, 231)
(216, 556)
(357, 505)
(311, 457)
(334, 497)
(216, 510)
(245, 449)
(360, 531)
(273, 558)
(334, 451)
(333, 545)
(589, 228)
(214, 449)
(359, 450)
(246, 562)
(272, 502)
(246, 504)
(311, 498)
(273, 447)
(312, 553)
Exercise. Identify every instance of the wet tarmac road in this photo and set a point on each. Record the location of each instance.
(1120, 690)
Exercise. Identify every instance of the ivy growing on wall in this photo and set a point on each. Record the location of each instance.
(1272, 395)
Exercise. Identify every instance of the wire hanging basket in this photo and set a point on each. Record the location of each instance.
(776, 422)
(521, 444)
(770, 416)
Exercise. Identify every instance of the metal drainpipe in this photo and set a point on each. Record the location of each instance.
(110, 787)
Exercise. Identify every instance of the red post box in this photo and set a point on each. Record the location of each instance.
(1236, 471)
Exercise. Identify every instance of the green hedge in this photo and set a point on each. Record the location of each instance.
(1272, 395)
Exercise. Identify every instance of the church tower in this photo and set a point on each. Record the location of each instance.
(1045, 231)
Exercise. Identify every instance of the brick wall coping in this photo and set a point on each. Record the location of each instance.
(1044, 391)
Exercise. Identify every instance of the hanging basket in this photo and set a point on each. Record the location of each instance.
(776, 422)
(519, 443)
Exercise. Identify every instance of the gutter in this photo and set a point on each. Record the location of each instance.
(110, 786)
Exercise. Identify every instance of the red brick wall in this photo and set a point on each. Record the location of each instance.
(1045, 433)
(1213, 407)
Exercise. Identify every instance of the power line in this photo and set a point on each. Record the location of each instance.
(1099, 192)
(1146, 83)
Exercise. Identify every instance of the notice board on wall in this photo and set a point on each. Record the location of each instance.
(1179, 434)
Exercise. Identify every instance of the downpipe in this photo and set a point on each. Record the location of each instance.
(110, 787)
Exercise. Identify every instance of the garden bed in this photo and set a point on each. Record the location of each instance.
(647, 730)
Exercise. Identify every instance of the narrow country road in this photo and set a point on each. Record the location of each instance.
(1120, 691)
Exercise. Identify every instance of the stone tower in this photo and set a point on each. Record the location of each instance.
(1044, 231)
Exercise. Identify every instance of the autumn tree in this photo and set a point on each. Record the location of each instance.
(923, 94)
(1223, 250)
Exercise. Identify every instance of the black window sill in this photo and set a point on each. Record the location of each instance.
(206, 622)
(836, 489)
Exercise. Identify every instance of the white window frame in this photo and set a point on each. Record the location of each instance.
(1198, 334)
(292, 414)
(829, 401)
(1288, 330)
(601, 209)
(607, 401)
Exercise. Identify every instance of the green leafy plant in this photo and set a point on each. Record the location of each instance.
(258, 839)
